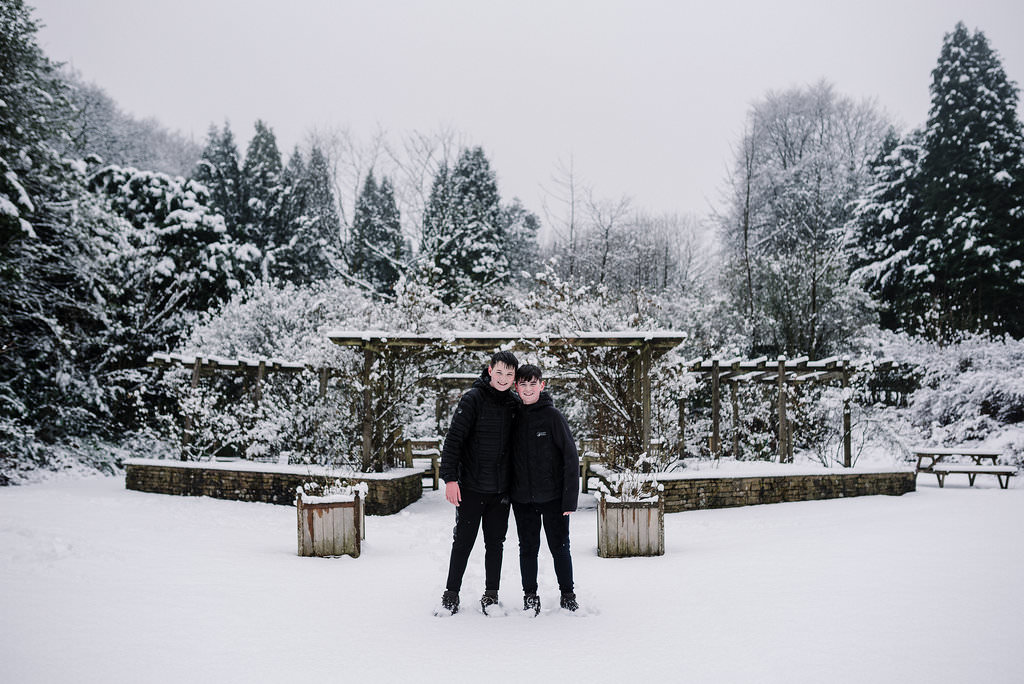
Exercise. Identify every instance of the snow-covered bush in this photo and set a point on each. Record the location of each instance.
(971, 390)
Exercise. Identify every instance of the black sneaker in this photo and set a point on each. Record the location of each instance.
(531, 602)
(568, 601)
(490, 598)
(450, 601)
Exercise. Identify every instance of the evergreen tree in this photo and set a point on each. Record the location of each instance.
(55, 281)
(464, 234)
(882, 242)
(376, 247)
(182, 261)
(521, 228)
(972, 191)
(261, 176)
(219, 170)
(310, 248)
(949, 205)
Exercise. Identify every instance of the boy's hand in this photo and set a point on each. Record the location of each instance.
(567, 513)
(452, 493)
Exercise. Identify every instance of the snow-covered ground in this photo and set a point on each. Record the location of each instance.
(101, 584)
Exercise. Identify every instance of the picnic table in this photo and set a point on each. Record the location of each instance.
(928, 456)
(930, 460)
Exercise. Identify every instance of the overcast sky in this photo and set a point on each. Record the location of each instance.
(647, 97)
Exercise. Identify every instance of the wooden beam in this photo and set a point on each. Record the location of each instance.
(847, 439)
(715, 411)
(646, 355)
(783, 428)
(367, 456)
(735, 420)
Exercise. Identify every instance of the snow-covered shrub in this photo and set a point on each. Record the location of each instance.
(602, 403)
(292, 421)
(970, 390)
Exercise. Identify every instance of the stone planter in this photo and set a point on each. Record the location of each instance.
(330, 525)
(630, 528)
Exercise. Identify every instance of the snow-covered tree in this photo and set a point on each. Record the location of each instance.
(99, 127)
(969, 265)
(802, 159)
(56, 246)
(309, 248)
(219, 169)
(521, 229)
(882, 244)
(182, 260)
(376, 246)
(940, 233)
(464, 237)
(261, 176)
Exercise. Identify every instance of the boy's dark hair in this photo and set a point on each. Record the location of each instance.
(505, 357)
(529, 372)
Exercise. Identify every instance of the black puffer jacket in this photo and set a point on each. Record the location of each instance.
(545, 464)
(476, 451)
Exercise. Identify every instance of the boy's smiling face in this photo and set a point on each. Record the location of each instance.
(529, 390)
(502, 376)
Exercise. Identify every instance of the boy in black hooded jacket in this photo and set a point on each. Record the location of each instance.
(545, 486)
(475, 466)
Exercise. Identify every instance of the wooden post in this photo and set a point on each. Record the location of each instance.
(325, 375)
(716, 444)
(186, 435)
(368, 357)
(682, 427)
(735, 420)
(645, 399)
(440, 401)
(847, 439)
(257, 392)
(783, 428)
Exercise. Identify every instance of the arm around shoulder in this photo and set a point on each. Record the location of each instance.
(570, 462)
(458, 432)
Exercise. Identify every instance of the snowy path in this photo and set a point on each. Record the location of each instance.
(100, 584)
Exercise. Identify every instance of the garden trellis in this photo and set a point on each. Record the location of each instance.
(780, 372)
(254, 370)
(643, 348)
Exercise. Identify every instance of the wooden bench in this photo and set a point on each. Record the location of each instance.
(1003, 473)
(425, 448)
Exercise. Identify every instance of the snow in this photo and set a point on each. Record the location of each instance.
(102, 584)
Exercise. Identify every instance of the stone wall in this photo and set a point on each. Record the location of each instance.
(385, 495)
(688, 494)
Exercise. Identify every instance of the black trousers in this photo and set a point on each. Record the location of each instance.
(492, 511)
(556, 528)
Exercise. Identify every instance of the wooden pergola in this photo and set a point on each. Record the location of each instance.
(647, 345)
(780, 372)
(255, 369)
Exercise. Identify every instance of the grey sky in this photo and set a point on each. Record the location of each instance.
(648, 97)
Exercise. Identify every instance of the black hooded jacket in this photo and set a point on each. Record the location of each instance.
(476, 451)
(545, 464)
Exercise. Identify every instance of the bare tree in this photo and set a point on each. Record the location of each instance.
(801, 159)
(561, 206)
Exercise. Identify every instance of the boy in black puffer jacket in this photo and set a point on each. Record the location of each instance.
(475, 466)
(545, 486)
